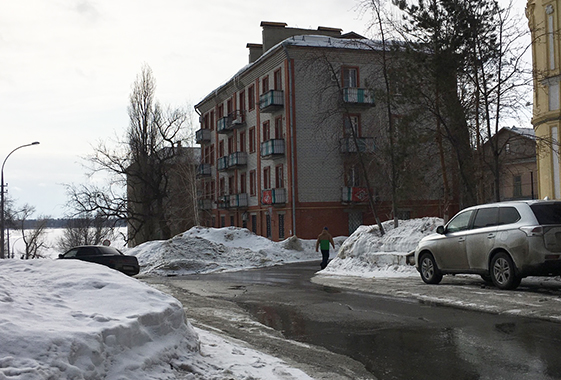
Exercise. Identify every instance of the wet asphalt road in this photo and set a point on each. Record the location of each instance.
(349, 334)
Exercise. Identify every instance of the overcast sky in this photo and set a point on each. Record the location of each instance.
(67, 67)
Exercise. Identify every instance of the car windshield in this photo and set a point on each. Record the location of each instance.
(547, 213)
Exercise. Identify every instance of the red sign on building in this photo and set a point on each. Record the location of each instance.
(267, 197)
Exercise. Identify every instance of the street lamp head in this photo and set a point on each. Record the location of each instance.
(35, 143)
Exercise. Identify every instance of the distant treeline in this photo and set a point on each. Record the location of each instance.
(63, 223)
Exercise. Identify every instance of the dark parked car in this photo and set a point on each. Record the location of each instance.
(107, 256)
(503, 242)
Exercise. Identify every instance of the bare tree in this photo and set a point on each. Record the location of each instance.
(85, 230)
(140, 166)
(34, 238)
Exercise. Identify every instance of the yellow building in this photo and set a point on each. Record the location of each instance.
(544, 18)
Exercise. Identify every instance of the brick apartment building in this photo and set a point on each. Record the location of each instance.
(277, 153)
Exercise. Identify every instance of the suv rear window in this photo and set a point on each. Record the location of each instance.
(547, 213)
(508, 215)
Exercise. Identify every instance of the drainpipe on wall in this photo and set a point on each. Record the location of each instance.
(291, 118)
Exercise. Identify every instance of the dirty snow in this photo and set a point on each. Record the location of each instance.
(368, 254)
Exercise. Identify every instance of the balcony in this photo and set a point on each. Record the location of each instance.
(237, 160)
(223, 125)
(360, 96)
(233, 121)
(271, 148)
(223, 202)
(222, 163)
(363, 145)
(271, 101)
(203, 170)
(237, 119)
(202, 136)
(238, 200)
(205, 204)
(273, 196)
(354, 194)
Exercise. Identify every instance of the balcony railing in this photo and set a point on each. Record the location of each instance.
(202, 136)
(238, 200)
(233, 121)
(205, 204)
(271, 101)
(203, 170)
(223, 125)
(223, 202)
(237, 159)
(222, 163)
(273, 196)
(274, 147)
(363, 145)
(354, 194)
(358, 96)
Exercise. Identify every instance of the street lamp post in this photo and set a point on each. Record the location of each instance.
(2, 217)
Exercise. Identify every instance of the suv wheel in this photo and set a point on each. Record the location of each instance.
(503, 272)
(429, 271)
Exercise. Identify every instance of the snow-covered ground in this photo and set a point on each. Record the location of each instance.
(367, 254)
(64, 319)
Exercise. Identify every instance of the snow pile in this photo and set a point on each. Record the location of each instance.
(67, 319)
(205, 250)
(366, 253)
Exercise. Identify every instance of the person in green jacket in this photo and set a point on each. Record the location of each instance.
(323, 241)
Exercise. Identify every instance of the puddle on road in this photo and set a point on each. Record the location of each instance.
(505, 350)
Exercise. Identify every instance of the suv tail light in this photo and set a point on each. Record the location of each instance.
(532, 230)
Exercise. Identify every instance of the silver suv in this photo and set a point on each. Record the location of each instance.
(503, 242)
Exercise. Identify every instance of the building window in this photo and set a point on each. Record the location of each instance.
(278, 127)
(221, 148)
(205, 122)
(265, 84)
(231, 185)
(266, 130)
(252, 183)
(222, 186)
(212, 154)
(278, 80)
(267, 177)
(553, 94)
(279, 177)
(222, 221)
(220, 111)
(254, 223)
(251, 97)
(352, 176)
(517, 186)
(281, 226)
(268, 219)
(242, 141)
(350, 123)
(211, 121)
(243, 183)
(252, 140)
(349, 77)
(242, 100)
(229, 106)
(232, 220)
(231, 146)
(550, 36)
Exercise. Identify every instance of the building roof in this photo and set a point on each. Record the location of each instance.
(316, 41)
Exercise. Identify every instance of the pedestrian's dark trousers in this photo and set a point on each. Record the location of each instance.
(325, 255)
